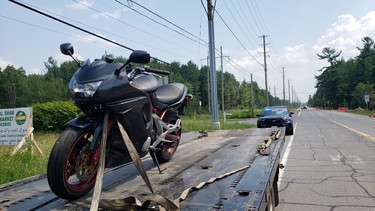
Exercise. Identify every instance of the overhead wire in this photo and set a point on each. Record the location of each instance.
(259, 21)
(157, 22)
(51, 30)
(170, 22)
(137, 28)
(118, 44)
(238, 24)
(243, 46)
(79, 28)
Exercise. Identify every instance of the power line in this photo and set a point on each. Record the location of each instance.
(168, 21)
(79, 28)
(237, 38)
(146, 32)
(48, 29)
(239, 25)
(157, 21)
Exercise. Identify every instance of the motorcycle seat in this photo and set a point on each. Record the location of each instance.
(170, 93)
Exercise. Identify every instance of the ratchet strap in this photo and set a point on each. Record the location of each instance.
(132, 203)
(267, 142)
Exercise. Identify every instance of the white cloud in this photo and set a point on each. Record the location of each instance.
(295, 54)
(81, 5)
(346, 34)
(4, 63)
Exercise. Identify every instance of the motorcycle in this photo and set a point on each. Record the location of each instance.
(109, 91)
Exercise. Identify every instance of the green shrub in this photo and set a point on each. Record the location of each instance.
(53, 116)
(241, 114)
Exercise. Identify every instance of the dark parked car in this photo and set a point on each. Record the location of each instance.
(278, 116)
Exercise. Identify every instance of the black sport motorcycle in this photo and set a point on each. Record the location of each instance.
(133, 96)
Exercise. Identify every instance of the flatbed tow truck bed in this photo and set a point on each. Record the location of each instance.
(196, 161)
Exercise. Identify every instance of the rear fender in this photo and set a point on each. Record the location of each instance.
(182, 108)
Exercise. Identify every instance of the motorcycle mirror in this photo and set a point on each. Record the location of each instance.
(140, 57)
(67, 49)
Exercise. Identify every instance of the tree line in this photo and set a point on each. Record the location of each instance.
(20, 90)
(345, 83)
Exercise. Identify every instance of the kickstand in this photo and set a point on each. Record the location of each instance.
(155, 159)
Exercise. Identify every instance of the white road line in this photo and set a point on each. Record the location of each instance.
(284, 160)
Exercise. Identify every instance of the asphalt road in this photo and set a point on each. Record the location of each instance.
(329, 163)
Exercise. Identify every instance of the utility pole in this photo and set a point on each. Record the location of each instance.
(292, 96)
(208, 86)
(289, 92)
(252, 95)
(274, 92)
(208, 80)
(265, 68)
(211, 38)
(283, 86)
(269, 95)
(222, 80)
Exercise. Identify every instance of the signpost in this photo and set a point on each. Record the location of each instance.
(367, 100)
(16, 125)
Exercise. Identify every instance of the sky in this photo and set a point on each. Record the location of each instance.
(295, 32)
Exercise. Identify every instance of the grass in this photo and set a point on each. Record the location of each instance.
(362, 112)
(28, 162)
(204, 122)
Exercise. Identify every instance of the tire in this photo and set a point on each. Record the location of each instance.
(166, 150)
(71, 171)
(289, 132)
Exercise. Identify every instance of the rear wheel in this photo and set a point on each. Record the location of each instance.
(166, 150)
(72, 167)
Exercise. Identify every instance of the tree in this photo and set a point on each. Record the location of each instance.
(330, 76)
(12, 86)
(344, 82)
(360, 91)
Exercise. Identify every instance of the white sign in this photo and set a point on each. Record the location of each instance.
(367, 98)
(13, 124)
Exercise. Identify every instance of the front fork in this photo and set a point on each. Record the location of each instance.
(96, 141)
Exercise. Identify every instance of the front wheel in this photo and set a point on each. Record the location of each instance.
(167, 149)
(72, 167)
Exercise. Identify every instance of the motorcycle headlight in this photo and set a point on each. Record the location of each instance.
(83, 90)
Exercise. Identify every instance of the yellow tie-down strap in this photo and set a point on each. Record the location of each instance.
(132, 203)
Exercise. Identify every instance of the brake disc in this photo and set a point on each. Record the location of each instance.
(84, 169)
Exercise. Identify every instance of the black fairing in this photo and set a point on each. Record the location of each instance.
(95, 71)
(147, 83)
